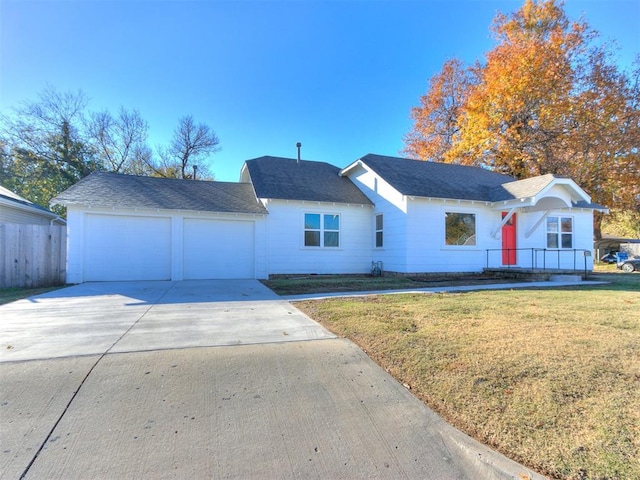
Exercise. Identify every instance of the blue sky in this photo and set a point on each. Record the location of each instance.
(338, 76)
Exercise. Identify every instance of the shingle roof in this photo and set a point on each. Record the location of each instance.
(435, 179)
(528, 187)
(288, 179)
(589, 205)
(129, 191)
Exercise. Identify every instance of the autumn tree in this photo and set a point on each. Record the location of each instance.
(516, 114)
(601, 152)
(190, 145)
(547, 99)
(436, 119)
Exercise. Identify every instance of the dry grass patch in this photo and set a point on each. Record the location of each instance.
(356, 283)
(12, 294)
(551, 378)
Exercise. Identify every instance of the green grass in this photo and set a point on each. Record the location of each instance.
(549, 377)
(12, 294)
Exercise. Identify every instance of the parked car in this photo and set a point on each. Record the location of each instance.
(631, 265)
(626, 264)
(609, 257)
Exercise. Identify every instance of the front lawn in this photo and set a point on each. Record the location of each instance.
(551, 378)
(358, 283)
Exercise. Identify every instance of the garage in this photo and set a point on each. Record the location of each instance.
(218, 249)
(129, 228)
(120, 248)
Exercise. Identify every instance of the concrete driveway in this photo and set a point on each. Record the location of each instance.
(207, 379)
(93, 318)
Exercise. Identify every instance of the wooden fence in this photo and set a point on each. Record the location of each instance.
(32, 255)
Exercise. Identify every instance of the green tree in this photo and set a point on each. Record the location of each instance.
(46, 152)
(49, 144)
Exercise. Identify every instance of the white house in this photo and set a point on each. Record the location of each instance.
(287, 216)
(437, 217)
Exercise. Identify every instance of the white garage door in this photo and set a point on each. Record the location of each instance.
(218, 249)
(127, 248)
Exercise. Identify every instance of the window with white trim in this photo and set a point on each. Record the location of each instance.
(379, 231)
(460, 229)
(559, 232)
(321, 230)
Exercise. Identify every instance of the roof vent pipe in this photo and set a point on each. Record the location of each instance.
(298, 145)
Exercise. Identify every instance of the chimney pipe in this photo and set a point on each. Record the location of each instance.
(298, 145)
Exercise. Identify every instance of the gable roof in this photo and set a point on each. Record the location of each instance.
(460, 182)
(534, 189)
(288, 179)
(12, 199)
(434, 179)
(529, 187)
(130, 191)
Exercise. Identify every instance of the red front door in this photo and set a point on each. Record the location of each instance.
(509, 240)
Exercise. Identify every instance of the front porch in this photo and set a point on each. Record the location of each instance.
(537, 262)
(535, 274)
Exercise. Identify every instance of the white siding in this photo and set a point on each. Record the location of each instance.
(9, 214)
(285, 239)
(565, 259)
(427, 251)
(393, 206)
(426, 244)
(560, 191)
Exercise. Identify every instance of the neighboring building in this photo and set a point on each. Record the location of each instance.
(16, 209)
(610, 243)
(301, 217)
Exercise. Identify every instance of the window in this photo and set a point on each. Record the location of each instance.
(379, 225)
(559, 232)
(321, 230)
(460, 229)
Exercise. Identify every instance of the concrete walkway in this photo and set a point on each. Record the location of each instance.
(203, 380)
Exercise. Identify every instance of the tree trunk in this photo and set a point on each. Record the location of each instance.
(597, 225)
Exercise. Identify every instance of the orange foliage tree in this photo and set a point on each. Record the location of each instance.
(547, 99)
(436, 119)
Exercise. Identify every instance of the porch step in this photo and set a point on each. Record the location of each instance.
(565, 278)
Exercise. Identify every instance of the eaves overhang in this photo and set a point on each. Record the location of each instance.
(352, 166)
(28, 208)
(96, 207)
